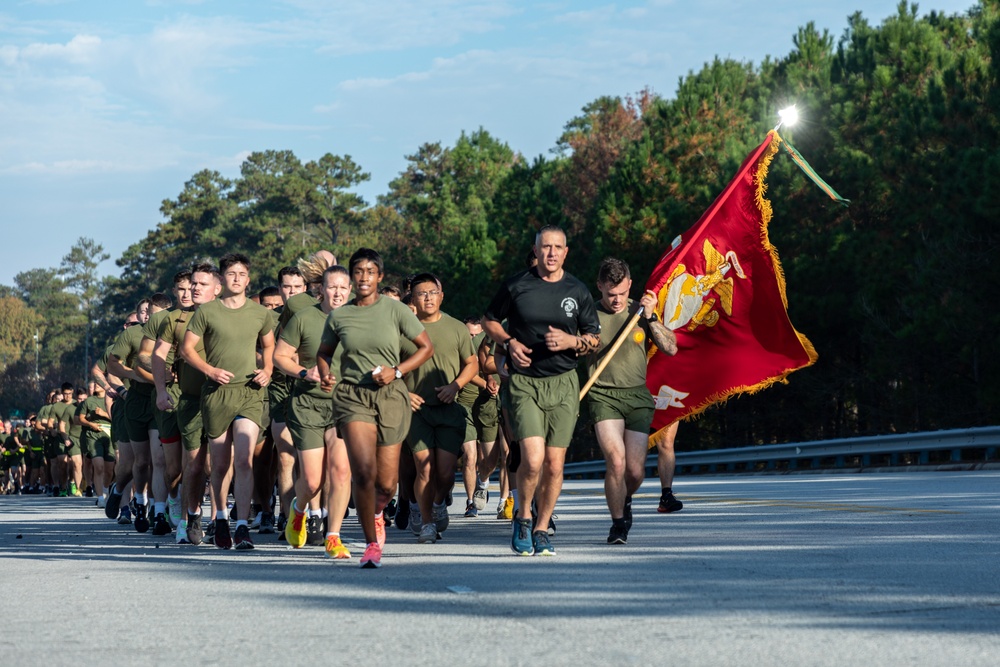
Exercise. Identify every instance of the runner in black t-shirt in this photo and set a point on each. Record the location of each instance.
(552, 321)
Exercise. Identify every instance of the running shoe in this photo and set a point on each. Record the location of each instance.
(280, 527)
(428, 533)
(242, 541)
(295, 530)
(669, 504)
(372, 557)
(380, 531)
(470, 510)
(508, 509)
(223, 538)
(195, 533)
(267, 524)
(161, 526)
(618, 534)
(89, 493)
(628, 513)
(113, 503)
(389, 512)
(403, 516)
(124, 516)
(74, 491)
(182, 532)
(141, 519)
(210, 533)
(314, 532)
(520, 541)
(540, 541)
(441, 518)
(336, 549)
(174, 514)
(258, 517)
(415, 520)
(481, 497)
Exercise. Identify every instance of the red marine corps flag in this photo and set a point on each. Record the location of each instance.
(721, 290)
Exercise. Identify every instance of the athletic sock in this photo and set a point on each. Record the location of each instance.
(141, 499)
(221, 515)
(240, 522)
(159, 508)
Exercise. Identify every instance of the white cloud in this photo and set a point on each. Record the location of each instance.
(80, 50)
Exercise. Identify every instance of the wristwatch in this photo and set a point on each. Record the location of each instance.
(399, 373)
(303, 373)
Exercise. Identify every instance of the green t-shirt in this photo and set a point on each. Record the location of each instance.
(152, 326)
(628, 367)
(230, 336)
(43, 415)
(370, 336)
(63, 412)
(90, 406)
(126, 348)
(452, 345)
(166, 330)
(172, 331)
(304, 332)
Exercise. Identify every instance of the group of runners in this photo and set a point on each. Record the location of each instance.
(297, 401)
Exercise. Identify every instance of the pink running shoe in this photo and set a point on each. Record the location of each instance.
(373, 556)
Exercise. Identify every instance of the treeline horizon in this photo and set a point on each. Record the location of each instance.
(902, 118)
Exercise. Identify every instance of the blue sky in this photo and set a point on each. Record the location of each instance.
(108, 107)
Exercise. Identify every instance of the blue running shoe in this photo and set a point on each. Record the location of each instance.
(520, 541)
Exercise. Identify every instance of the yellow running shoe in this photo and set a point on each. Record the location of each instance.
(508, 508)
(335, 548)
(295, 529)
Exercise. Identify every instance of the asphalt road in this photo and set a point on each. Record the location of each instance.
(872, 569)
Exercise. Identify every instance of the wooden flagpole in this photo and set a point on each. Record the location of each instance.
(611, 352)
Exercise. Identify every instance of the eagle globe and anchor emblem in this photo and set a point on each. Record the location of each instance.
(689, 301)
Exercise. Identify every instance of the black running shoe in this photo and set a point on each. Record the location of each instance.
(195, 533)
(266, 524)
(223, 538)
(618, 534)
(314, 532)
(111, 510)
(161, 526)
(280, 527)
(669, 504)
(141, 519)
(403, 516)
(210, 533)
(628, 513)
(242, 541)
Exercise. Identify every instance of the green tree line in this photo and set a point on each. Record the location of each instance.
(901, 118)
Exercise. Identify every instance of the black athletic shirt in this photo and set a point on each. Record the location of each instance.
(531, 305)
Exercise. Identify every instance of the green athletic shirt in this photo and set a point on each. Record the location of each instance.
(166, 330)
(532, 305)
(43, 414)
(452, 345)
(189, 379)
(304, 332)
(628, 367)
(152, 326)
(90, 406)
(369, 336)
(63, 412)
(126, 346)
(230, 336)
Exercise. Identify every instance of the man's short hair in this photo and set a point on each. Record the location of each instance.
(290, 271)
(181, 276)
(550, 228)
(138, 306)
(612, 271)
(425, 277)
(530, 258)
(391, 290)
(269, 291)
(206, 267)
(66, 386)
(232, 258)
(473, 319)
(161, 301)
(366, 255)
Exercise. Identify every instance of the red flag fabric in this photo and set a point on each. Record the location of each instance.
(721, 290)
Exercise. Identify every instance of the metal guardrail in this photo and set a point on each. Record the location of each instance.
(958, 445)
